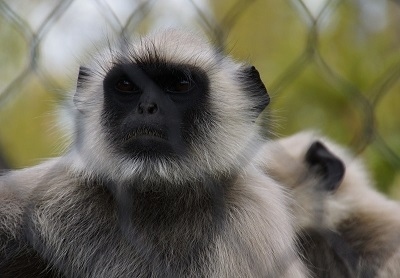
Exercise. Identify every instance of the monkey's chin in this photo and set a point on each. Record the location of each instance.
(149, 147)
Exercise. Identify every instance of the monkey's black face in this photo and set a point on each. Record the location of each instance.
(151, 109)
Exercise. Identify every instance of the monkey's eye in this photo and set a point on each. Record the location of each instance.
(181, 87)
(126, 86)
(181, 83)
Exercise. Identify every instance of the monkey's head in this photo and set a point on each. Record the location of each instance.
(166, 107)
(324, 179)
(310, 167)
(305, 157)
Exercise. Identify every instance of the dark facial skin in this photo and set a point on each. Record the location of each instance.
(151, 109)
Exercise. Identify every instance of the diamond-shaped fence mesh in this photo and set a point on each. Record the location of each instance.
(332, 65)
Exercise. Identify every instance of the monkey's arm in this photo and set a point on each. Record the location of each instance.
(17, 257)
(12, 246)
(11, 211)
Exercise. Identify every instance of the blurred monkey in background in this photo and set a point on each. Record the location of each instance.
(346, 228)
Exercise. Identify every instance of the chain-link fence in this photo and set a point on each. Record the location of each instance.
(332, 64)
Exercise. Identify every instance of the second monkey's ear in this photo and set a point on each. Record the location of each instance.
(326, 164)
(256, 88)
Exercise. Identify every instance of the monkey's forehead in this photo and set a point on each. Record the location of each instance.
(298, 144)
(168, 46)
(174, 42)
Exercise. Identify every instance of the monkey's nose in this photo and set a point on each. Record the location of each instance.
(150, 108)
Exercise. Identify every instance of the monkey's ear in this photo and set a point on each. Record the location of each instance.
(256, 88)
(83, 76)
(327, 165)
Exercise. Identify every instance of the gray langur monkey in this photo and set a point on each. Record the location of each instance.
(159, 181)
(347, 228)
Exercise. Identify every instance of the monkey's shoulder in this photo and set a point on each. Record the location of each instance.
(17, 257)
(78, 218)
(65, 197)
(14, 197)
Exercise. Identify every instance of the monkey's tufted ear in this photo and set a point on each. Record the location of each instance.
(326, 164)
(256, 88)
(83, 76)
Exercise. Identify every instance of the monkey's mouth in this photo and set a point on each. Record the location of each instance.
(144, 132)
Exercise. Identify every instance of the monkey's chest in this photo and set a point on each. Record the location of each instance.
(86, 238)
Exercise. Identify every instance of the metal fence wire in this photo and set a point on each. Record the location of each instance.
(330, 64)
